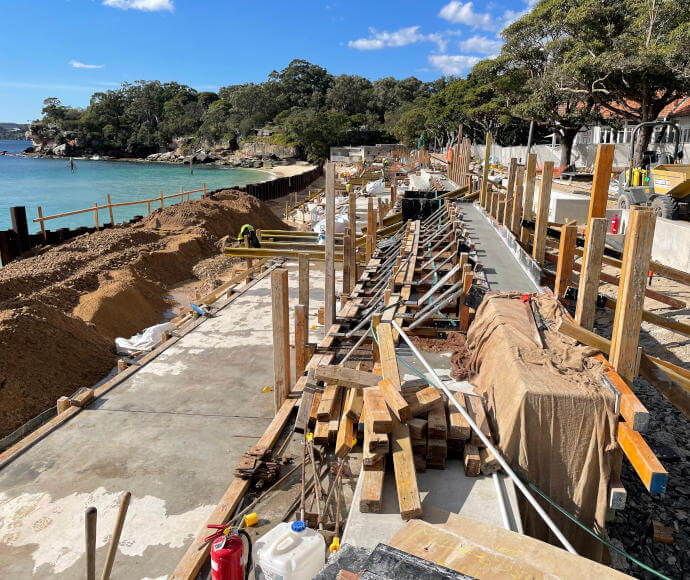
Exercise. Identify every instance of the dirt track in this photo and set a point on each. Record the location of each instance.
(60, 311)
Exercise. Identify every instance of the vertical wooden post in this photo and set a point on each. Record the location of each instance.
(329, 295)
(347, 256)
(95, 213)
(516, 218)
(90, 534)
(566, 258)
(352, 216)
(110, 210)
(634, 271)
(43, 225)
(600, 184)
(507, 207)
(588, 288)
(250, 262)
(62, 404)
(300, 339)
(394, 188)
(161, 198)
(467, 278)
(483, 201)
(542, 214)
(466, 162)
(528, 196)
(281, 336)
(204, 193)
(371, 227)
(303, 291)
(181, 194)
(148, 208)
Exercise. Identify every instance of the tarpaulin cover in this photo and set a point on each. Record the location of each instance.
(550, 412)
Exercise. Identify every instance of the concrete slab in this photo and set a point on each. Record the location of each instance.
(502, 271)
(171, 434)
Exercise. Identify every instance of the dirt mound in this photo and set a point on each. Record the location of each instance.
(456, 343)
(60, 311)
(44, 354)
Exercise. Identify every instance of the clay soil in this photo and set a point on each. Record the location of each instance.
(60, 311)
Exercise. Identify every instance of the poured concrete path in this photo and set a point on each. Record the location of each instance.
(172, 434)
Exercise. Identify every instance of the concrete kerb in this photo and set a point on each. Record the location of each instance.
(27, 442)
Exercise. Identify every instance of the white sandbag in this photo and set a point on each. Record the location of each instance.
(146, 340)
(341, 224)
(375, 187)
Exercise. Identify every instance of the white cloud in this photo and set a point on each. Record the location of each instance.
(453, 64)
(480, 45)
(402, 37)
(77, 64)
(144, 5)
(463, 13)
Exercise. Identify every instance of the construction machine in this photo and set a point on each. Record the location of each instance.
(660, 181)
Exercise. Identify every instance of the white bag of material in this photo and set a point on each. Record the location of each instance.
(341, 224)
(375, 187)
(146, 340)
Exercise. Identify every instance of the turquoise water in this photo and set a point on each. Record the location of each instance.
(50, 184)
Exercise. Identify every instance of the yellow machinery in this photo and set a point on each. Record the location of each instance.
(661, 181)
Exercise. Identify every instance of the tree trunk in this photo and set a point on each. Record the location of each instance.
(567, 136)
(643, 139)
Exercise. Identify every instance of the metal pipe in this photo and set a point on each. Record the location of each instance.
(487, 443)
(354, 348)
(438, 284)
(443, 295)
(437, 306)
(431, 259)
(501, 502)
(448, 259)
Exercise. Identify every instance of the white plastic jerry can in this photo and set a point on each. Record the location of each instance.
(289, 552)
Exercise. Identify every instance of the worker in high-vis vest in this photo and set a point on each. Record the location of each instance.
(249, 231)
(347, 187)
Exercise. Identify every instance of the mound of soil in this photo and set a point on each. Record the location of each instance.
(455, 343)
(61, 311)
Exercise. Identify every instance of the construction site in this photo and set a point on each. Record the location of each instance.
(419, 366)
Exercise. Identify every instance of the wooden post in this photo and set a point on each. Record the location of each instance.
(303, 289)
(600, 184)
(347, 258)
(250, 262)
(540, 224)
(43, 226)
(566, 258)
(528, 196)
(467, 278)
(507, 208)
(162, 198)
(90, 533)
(181, 194)
(588, 287)
(483, 201)
(110, 210)
(121, 365)
(62, 404)
(300, 339)
(352, 216)
(148, 208)
(203, 195)
(329, 293)
(115, 539)
(95, 213)
(515, 219)
(371, 227)
(634, 271)
(281, 336)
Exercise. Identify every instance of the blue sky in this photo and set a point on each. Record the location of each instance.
(71, 48)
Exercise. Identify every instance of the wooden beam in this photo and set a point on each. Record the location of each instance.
(329, 291)
(281, 336)
(371, 227)
(507, 214)
(300, 339)
(459, 429)
(539, 246)
(599, 195)
(303, 288)
(475, 409)
(648, 468)
(566, 259)
(516, 217)
(329, 399)
(483, 201)
(421, 401)
(634, 271)
(397, 404)
(377, 411)
(472, 460)
(528, 196)
(346, 377)
(588, 286)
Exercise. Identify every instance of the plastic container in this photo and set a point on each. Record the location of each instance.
(289, 552)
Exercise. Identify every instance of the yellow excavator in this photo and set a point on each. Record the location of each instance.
(661, 181)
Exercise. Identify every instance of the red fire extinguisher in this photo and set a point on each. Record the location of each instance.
(227, 553)
(614, 224)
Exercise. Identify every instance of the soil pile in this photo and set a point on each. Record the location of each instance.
(456, 343)
(60, 311)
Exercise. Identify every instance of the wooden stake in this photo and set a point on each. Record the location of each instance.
(329, 292)
(281, 336)
(515, 222)
(95, 213)
(542, 213)
(507, 214)
(528, 196)
(250, 262)
(90, 531)
(634, 272)
(115, 539)
(347, 262)
(566, 258)
(43, 225)
(371, 228)
(110, 211)
(600, 184)
(300, 339)
(62, 404)
(588, 286)
(161, 198)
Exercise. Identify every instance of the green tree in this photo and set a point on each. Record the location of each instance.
(410, 126)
